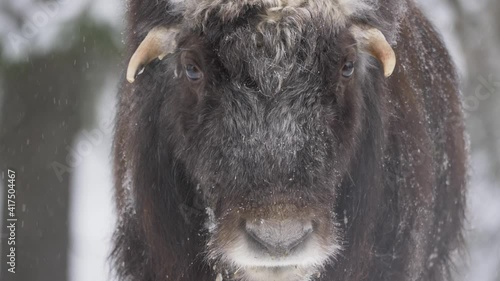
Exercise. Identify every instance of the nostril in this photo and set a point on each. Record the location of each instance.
(278, 237)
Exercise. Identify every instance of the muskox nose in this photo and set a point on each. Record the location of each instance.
(278, 237)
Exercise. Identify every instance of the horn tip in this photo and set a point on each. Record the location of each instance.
(390, 64)
(389, 71)
(130, 77)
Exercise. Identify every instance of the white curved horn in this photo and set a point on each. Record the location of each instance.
(159, 42)
(374, 42)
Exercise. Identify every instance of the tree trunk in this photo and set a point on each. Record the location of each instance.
(39, 120)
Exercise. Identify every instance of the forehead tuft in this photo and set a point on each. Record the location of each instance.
(334, 12)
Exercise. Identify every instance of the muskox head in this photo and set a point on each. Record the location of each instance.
(263, 106)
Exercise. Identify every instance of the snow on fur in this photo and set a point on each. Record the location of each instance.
(333, 11)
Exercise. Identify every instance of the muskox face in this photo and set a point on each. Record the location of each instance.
(267, 139)
(264, 115)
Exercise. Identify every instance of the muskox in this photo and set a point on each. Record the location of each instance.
(273, 140)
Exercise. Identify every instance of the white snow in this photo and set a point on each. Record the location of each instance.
(44, 23)
(483, 224)
(92, 208)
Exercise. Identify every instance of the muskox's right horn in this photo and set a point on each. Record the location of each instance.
(373, 41)
(159, 42)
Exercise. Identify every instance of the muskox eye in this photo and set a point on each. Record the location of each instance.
(348, 69)
(193, 72)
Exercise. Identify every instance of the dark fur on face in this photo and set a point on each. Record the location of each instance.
(272, 130)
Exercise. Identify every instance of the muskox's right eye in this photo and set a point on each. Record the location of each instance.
(348, 69)
(193, 73)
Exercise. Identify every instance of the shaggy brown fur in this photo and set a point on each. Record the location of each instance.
(274, 130)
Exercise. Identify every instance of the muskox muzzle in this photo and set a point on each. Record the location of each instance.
(278, 237)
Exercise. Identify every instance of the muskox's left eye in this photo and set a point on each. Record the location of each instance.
(193, 72)
(348, 69)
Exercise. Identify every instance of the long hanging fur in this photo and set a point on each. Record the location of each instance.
(401, 200)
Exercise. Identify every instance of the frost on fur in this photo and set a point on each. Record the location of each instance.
(333, 11)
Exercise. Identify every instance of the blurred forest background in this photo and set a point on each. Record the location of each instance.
(60, 64)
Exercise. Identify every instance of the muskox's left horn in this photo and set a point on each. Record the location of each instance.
(373, 41)
(159, 42)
